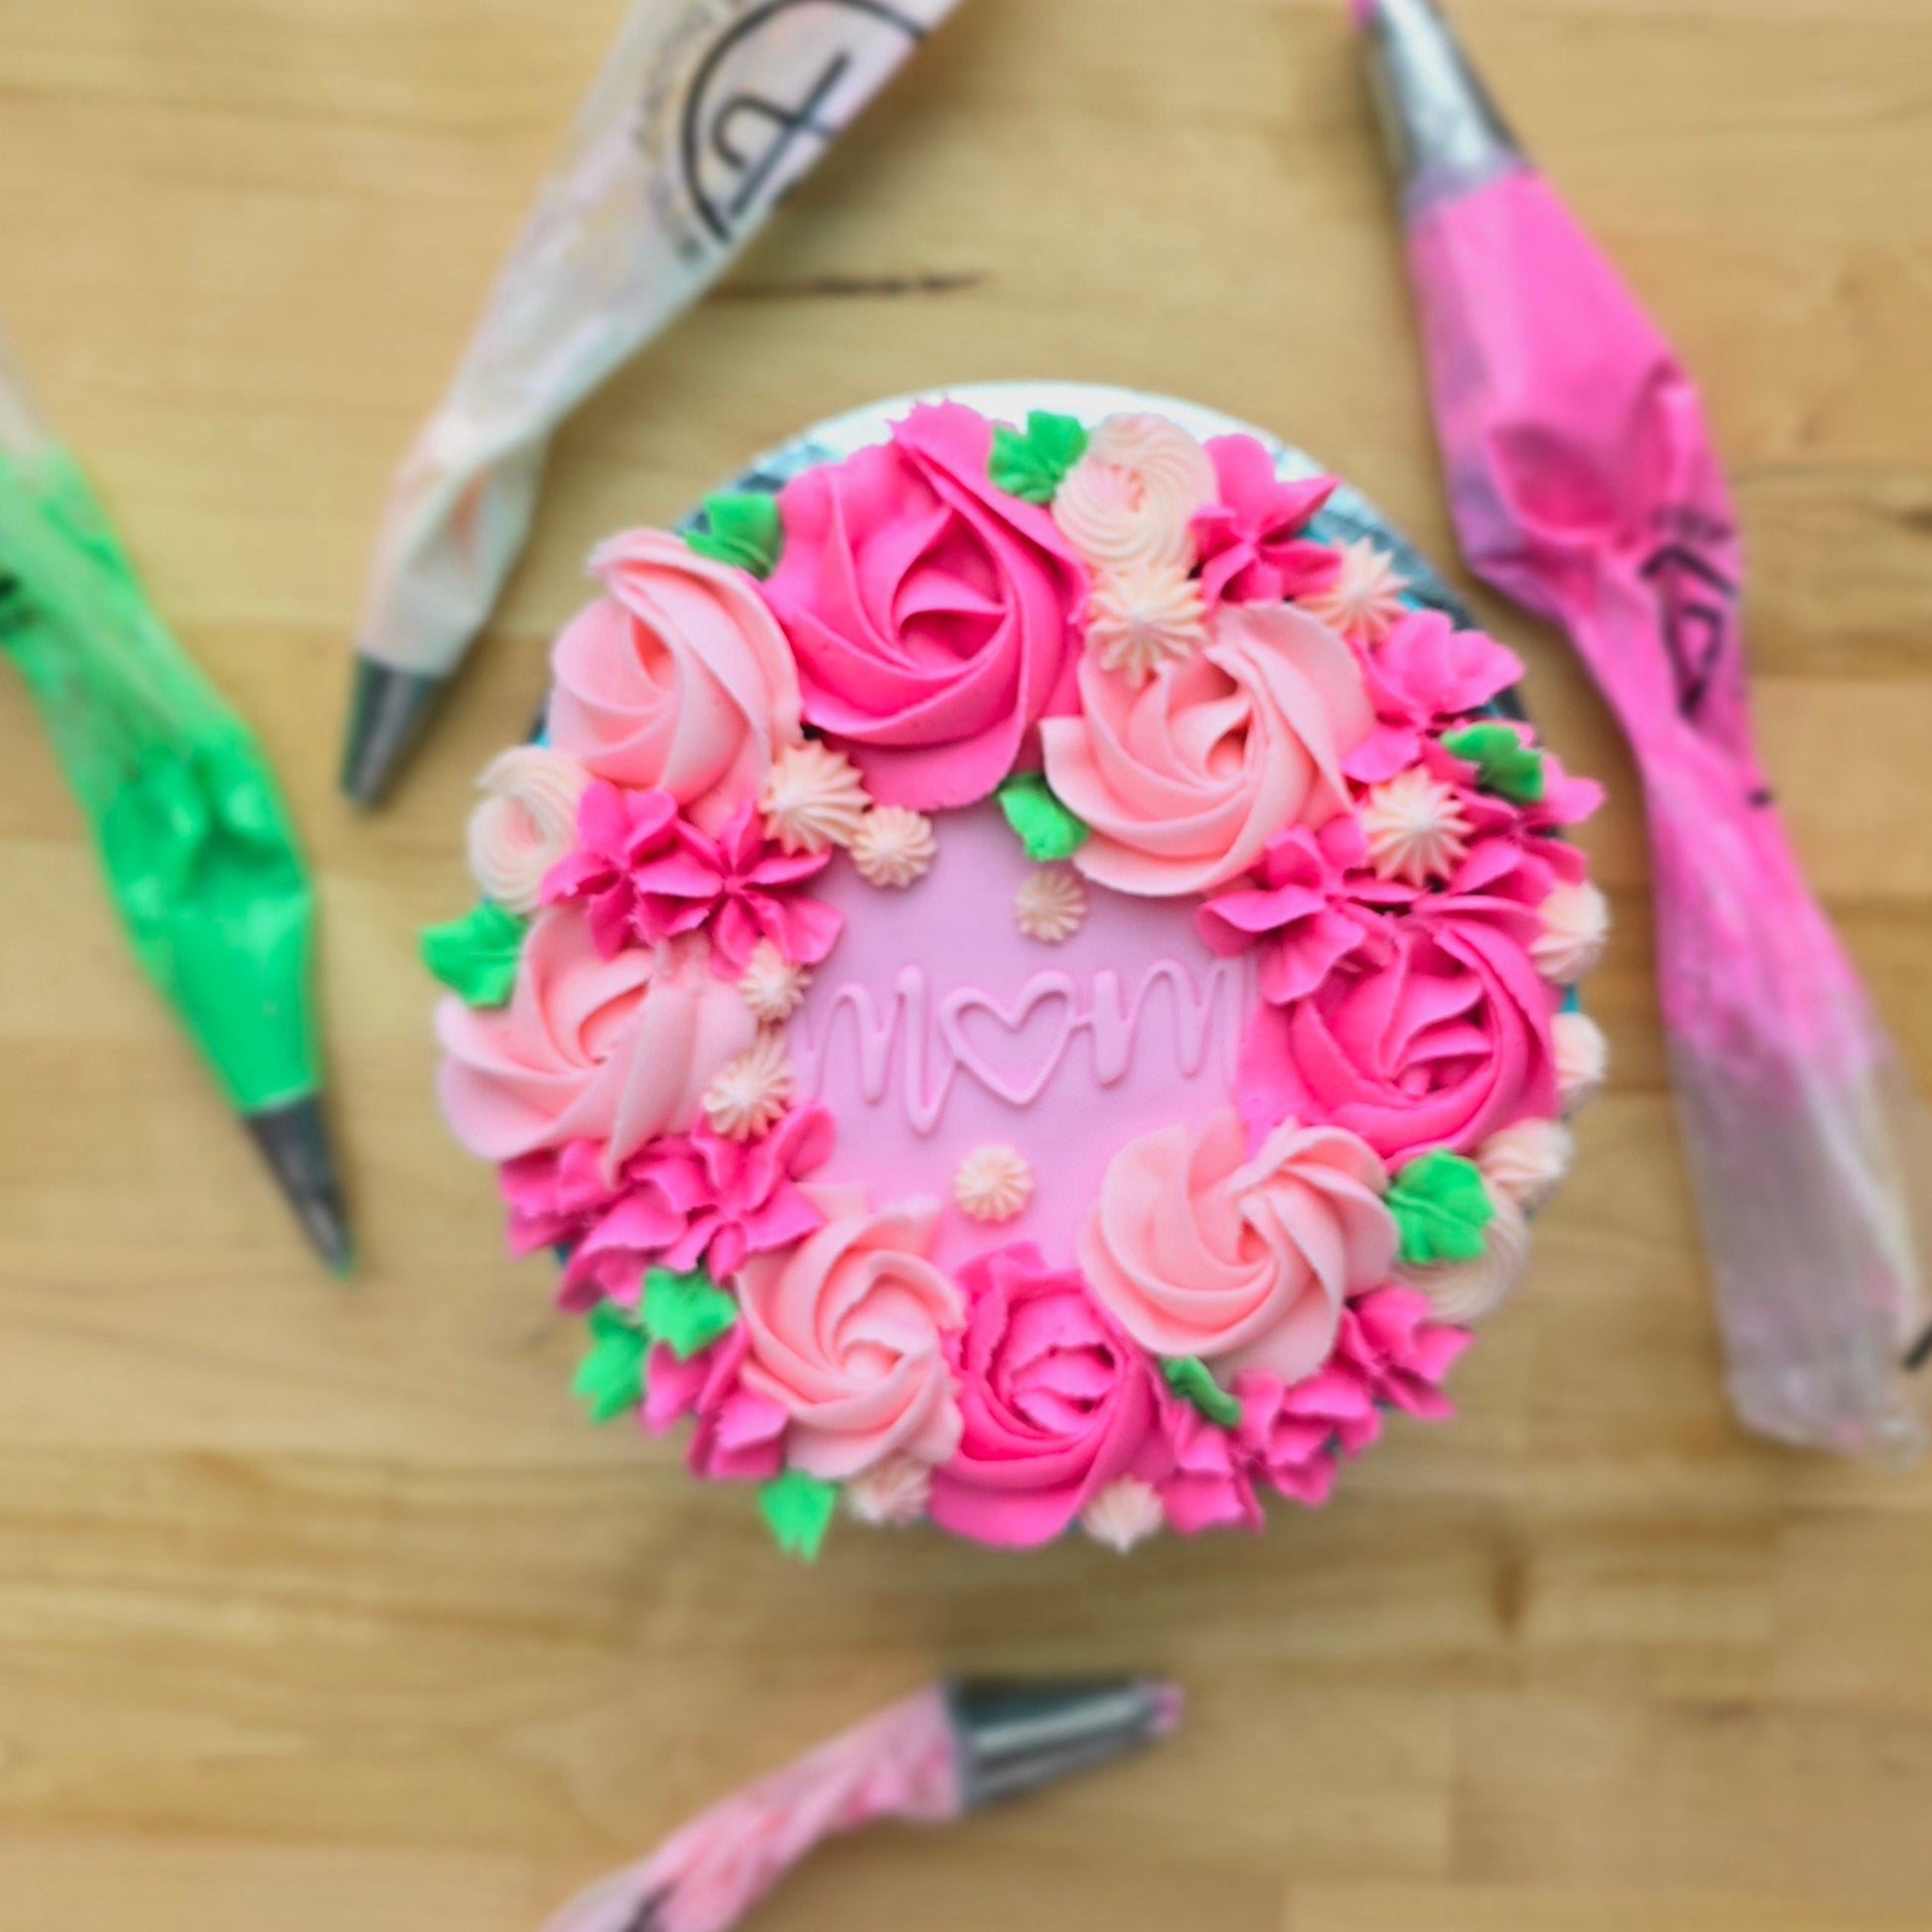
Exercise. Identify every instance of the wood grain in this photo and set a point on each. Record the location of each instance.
(321, 1608)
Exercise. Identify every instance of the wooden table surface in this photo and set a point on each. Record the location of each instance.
(321, 1609)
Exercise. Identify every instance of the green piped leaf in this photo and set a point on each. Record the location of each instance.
(610, 1378)
(1504, 764)
(799, 1508)
(1441, 1208)
(1033, 463)
(476, 956)
(1048, 829)
(1187, 1376)
(743, 528)
(686, 1312)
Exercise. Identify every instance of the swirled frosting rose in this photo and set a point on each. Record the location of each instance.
(526, 822)
(846, 1334)
(1129, 502)
(1057, 1402)
(1183, 780)
(933, 616)
(678, 677)
(1436, 1036)
(617, 1050)
(1197, 1249)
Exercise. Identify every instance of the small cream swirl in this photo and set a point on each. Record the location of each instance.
(1133, 493)
(1414, 827)
(751, 1093)
(772, 985)
(525, 824)
(893, 847)
(1576, 929)
(812, 797)
(1051, 905)
(1364, 602)
(1583, 1057)
(1463, 1292)
(1128, 1511)
(891, 1494)
(1143, 616)
(1526, 1162)
(993, 1183)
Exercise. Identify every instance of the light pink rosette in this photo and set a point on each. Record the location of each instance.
(1129, 501)
(846, 1334)
(1183, 780)
(1198, 1250)
(1057, 1403)
(678, 678)
(933, 616)
(1435, 1036)
(617, 1050)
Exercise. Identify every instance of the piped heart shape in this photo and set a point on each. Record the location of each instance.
(1011, 1049)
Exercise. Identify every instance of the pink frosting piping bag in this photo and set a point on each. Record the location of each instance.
(944, 1751)
(1585, 484)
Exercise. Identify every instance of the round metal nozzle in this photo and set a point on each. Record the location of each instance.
(387, 715)
(1016, 1736)
(294, 1142)
(1445, 135)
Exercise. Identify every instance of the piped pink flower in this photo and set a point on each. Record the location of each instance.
(740, 1435)
(618, 832)
(1301, 914)
(645, 874)
(740, 1197)
(1251, 547)
(1292, 1437)
(1427, 673)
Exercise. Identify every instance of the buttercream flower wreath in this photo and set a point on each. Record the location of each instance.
(1058, 813)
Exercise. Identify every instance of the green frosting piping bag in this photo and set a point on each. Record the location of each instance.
(188, 822)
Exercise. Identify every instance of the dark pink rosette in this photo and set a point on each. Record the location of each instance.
(1436, 1035)
(1056, 1402)
(933, 616)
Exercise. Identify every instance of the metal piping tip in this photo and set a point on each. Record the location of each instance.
(295, 1147)
(1015, 1737)
(387, 715)
(1445, 135)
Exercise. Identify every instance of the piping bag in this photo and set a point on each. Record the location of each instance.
(943, 1753)
(1585, 484)
(704, 114)
(187, 821)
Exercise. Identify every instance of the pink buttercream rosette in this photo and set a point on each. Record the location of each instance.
(1252, 1292)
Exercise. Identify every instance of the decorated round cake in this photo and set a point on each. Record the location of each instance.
(1028, 977)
